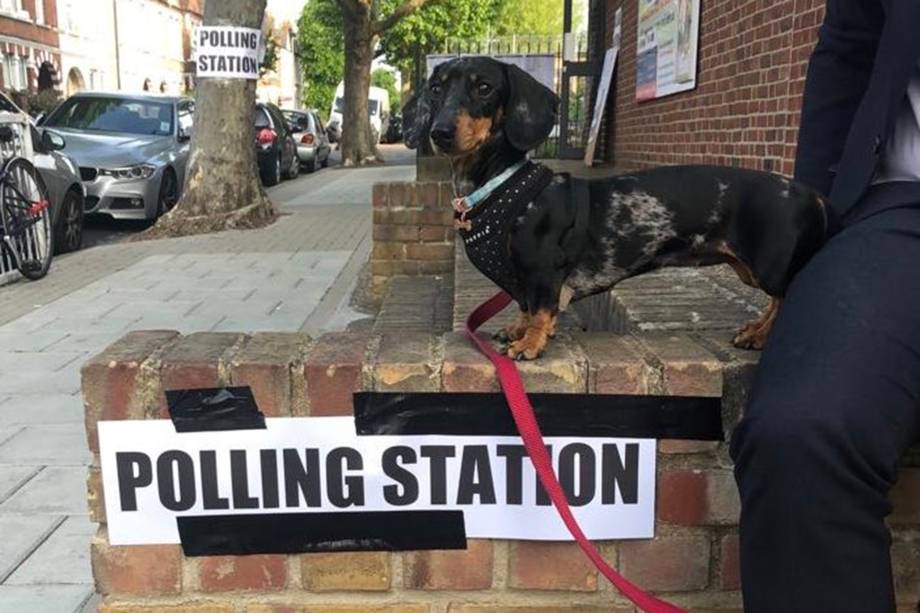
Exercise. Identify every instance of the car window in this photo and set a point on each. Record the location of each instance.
(299, 122)
(128, 115)
(340, 105)
(372, 106)
(277, 119)
(186, 115)
(261, 118)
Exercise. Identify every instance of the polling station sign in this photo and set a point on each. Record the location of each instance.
(293, 469)
(228, 52)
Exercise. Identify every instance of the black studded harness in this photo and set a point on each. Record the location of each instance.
(486, 228)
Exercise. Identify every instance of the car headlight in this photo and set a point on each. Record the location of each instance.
(129, 173)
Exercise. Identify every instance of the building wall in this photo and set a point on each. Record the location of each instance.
(87, 42)
(744, 111)
(28, 33)
(150, 45)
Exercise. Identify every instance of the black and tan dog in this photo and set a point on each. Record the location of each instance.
(549, 239)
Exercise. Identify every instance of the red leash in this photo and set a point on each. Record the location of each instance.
(533, 441)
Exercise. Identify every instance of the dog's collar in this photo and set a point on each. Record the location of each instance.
(466, 203)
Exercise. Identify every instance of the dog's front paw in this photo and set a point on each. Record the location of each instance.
(530, 347)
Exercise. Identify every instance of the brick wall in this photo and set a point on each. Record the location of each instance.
(413, 232)
(745, 109)
(693, 560)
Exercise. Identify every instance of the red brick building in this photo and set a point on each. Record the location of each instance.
(745, 108)
(30, 57)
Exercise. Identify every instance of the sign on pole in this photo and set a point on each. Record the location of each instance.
(228, 52)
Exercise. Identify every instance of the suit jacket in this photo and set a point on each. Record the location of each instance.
(857, 78)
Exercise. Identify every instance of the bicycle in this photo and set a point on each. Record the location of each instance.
(25, 215)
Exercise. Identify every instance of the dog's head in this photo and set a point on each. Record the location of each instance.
(469, 101)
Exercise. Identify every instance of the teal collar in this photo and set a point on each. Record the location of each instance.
(466, 203)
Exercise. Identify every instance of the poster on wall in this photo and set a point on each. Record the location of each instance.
(316, 479)
(667, 46)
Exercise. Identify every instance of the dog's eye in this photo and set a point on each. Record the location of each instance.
(435, 89)
(484, 89)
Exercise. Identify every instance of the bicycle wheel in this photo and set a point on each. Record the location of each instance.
(25, 213)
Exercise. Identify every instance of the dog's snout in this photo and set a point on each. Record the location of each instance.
(442, 134)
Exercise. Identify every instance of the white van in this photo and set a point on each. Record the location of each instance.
(378, 106)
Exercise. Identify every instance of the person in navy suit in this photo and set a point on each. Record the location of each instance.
(836, 399)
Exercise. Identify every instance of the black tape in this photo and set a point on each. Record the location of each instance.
(582, 415)
(238, 535)
(223, 408)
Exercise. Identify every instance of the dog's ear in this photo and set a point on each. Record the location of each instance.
(531, 109)
(417, 117)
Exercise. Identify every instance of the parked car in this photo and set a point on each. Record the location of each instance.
(61, 177)
(276, 151)
(394, 130)
(132, 150)
(310, 135)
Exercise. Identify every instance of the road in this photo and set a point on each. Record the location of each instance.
(293, 275)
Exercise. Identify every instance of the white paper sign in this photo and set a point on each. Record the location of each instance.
(228, 52)
(152, 475)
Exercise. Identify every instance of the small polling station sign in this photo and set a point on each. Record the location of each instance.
(228, 52)
(268, 487)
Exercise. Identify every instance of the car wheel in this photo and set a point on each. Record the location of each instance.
(69, 232)
(294, 170)
(169, 193)
(274, 177)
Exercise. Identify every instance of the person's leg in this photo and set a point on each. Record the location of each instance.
(835, 404)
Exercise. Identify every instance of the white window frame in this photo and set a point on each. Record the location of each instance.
(40, 12)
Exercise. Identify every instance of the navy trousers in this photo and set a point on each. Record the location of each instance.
(835, 404)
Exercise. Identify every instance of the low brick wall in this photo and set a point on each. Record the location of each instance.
(693, 559)
(413, 232)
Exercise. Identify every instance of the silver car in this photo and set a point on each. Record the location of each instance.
(62, 179)
(312, 141)
(132, 150)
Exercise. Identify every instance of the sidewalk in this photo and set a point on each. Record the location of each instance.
(294, 275)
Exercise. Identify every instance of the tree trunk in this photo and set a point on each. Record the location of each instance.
(222, 187)
(358, 146)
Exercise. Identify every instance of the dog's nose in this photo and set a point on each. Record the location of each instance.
(442, 134)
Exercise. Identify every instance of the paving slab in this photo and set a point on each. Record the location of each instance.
(54, 445)
(43, 598)
(8, 433)
(22, 534)
(58, 490)
(63, 558)
(12, 478)
(24, 381)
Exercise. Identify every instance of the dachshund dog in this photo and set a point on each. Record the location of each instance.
(548, 239)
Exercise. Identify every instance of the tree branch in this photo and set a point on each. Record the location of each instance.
(404, 10)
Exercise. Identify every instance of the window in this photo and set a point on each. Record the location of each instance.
(11, 6)
(40, 11)
(14, 72)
